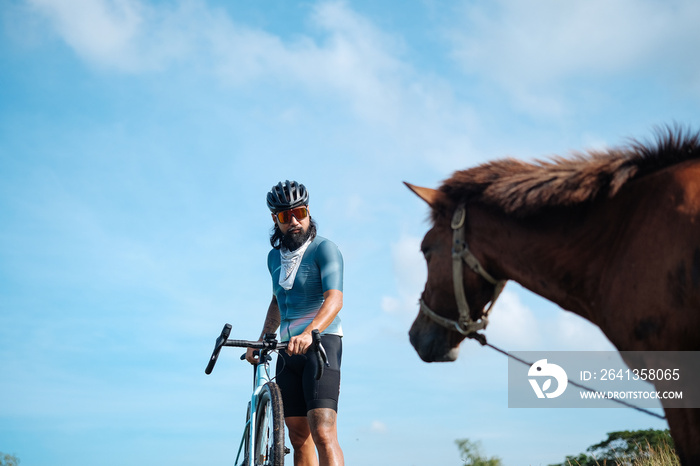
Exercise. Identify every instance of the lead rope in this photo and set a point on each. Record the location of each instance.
(482, 340)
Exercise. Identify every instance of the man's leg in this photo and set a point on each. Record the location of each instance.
(302, 442)
(324, 430)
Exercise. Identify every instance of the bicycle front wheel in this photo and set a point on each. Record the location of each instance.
(269, 428)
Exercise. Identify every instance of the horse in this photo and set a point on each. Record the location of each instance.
(612, 235)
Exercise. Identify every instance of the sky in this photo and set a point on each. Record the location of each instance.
(138, 140)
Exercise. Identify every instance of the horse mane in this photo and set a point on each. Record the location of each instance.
(520, 188)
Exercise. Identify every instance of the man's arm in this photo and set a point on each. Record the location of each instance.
(273, 319)
(332, 304)
(272, 322)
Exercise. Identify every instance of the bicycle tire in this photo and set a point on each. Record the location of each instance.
(269, 428)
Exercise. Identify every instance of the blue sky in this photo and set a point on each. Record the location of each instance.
(137, 142)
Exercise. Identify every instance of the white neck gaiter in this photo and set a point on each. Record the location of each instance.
(290, 264)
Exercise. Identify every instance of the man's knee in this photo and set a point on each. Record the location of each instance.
(298, 440)
(322, 423)
(299, 433)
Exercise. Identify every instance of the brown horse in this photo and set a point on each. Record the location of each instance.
(613, 236)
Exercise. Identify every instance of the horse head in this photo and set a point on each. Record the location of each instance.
(452, 305)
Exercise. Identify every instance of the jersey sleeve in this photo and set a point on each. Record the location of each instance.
(330, 264)
(270, 261)
(272, 264)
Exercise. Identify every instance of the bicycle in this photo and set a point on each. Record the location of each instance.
(263, 433)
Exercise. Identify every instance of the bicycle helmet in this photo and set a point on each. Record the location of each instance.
(287, 195)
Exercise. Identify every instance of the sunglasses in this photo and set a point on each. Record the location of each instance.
(285, 216)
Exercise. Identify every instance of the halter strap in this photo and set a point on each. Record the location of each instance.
(461, 253)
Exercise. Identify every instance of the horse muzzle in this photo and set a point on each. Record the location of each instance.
(432, 342)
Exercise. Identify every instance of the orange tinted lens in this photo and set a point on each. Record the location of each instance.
(300, 213)
(286, 215)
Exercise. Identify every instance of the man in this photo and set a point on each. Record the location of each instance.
(307, 284)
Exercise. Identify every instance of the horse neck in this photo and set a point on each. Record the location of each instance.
(552, 256)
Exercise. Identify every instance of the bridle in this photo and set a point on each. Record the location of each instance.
(461, 253)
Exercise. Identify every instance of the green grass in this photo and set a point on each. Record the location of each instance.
(646, 455)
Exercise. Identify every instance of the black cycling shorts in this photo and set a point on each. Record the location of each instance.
(295, 377)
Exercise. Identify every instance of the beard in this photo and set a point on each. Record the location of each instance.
(293, 240)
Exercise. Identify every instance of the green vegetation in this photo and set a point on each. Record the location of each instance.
(8, 460)
(629, 448)
(470, 453)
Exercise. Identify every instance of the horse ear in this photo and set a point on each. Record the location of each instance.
(429, 195)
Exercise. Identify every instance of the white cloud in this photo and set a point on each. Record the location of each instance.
(529, 47)
(574, 333)
(410, 273)
(136, 36)
(513, 323)
(391, 304)
(99, 30)
(378, 427)
(348, 59)
(515, 327)
(357, 58)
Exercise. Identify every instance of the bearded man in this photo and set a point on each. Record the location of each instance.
(307, 284)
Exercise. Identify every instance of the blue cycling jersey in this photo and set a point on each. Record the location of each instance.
(321, 269)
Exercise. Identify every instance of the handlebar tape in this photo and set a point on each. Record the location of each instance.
(225, 332)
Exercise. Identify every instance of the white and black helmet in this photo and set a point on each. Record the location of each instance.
(287, 195)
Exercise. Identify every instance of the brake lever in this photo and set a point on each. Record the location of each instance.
(323, 359)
